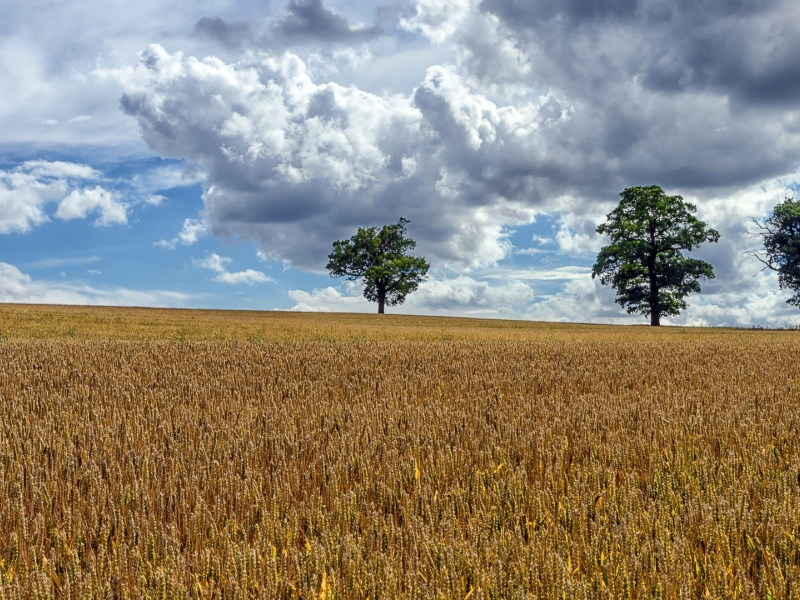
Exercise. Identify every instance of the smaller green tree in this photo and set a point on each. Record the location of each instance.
(781, 236)
(380, 258)
(648, 231)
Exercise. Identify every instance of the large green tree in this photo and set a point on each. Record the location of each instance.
(781, 236)
(644, 261)
(381, 259)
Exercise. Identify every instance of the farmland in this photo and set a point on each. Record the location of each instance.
(170, 454)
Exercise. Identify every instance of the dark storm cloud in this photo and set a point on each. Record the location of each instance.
(754, 67)
(309, 21)
(232, 34)
(574, 12)
(306, 23)
(698, 94)
(746, 49)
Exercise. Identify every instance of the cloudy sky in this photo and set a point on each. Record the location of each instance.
(206, 153)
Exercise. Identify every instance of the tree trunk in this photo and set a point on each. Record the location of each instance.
(381, 299)
(655, 316)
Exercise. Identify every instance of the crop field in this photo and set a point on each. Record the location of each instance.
(202, 454)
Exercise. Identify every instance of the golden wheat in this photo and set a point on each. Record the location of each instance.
(452, 459)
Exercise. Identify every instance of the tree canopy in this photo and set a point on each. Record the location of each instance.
(644, 261)
(381, 259)
(781, 236)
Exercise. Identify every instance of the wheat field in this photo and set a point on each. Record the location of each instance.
(201, 454)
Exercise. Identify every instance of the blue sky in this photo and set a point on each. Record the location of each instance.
(206, 154)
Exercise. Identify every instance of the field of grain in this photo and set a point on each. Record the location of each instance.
(172, 454)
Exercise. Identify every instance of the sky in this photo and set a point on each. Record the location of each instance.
(207, 153)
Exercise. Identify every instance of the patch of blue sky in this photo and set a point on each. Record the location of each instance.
(126, 256)
(537, 259)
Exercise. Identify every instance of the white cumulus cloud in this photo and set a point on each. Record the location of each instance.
(80, 203)
(248, 276)
(285, 155)
(438, 20)
(463, 294)
(217, 263)
(22, 200)
(459, 295)
(28, 188)
(191, 231)
(19, 287)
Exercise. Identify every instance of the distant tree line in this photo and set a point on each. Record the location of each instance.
(649, 232)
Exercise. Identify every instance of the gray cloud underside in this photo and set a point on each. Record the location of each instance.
(306, 22)
(230, 33)
(689, 94)
(747, 50)
(310, 20)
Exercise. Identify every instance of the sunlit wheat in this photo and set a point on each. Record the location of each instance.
(504, 462)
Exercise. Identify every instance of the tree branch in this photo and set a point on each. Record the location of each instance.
(767, 264)
(762, 227)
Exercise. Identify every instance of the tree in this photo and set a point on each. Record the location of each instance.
(381, 260)
(648, 231)
(781, 236)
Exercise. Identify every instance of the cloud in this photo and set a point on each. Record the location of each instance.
(463, 294)
(191, 231)
(15, 283)
(305, 22)
(310, 21)
(286, 156)
(581, 300)
(58, 170)
(554, 274)
(460, 295)
(578, 235)
(328, 299)
(248, 276)
(79, 203)
(164, 177)
(686, 94)
(760, 307)
(22, 199)
(585, 300)
(482, 45)
(19, 287)
(438, 20)
(217, 263)
(233, 34)
(29, 187)
(672, 93)
(47, 72)
(49, 263)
